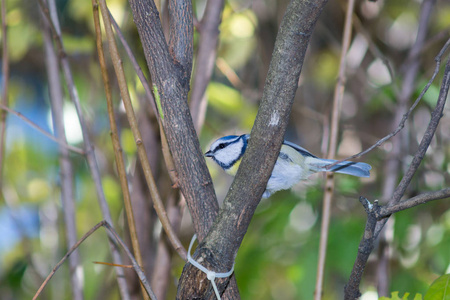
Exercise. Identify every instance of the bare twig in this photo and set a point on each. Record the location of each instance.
(66, 170)
(229, 73)
(329, 184)
(386, 211)
(89, 148)
(72, 249)
(5, 89)
(35, 126)
(136, 267)
(393, 162)
(352, 288)
(206, 57)
(365, 248)
(148, 92)
(115, 236)
(406, 115)
(436, 115)
(116, 144)
(157, 202)
(134, 63)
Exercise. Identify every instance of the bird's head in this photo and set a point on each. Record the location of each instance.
(227, 150)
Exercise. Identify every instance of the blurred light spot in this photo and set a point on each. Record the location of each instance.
(349, 106)
(403, 31)
(38, 189)
(302, 217)
(371, 9)
(14, 17)
(387, 146)
(447, 219)
(326, 67)
(127, 141)
(282, 289)
(241, 27)
(378, 73)
(224, 98)
(414, 236)
(421, 119)
(369, 295)
(112, 189)
(435, 235)
(80, 274)
(357, 51)
(72, 124)
(350, 144)
(49, 237)
(434, 179)
(410, 258)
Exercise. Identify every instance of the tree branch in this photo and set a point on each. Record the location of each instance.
(218, 251)
(365, 248)
(113, 234)
(206, 57)
(194, 179)
(88, 146)
(332, 146)
(406, 115)
(142, 153)
(352, 288)
(66, 170)
(386, 211)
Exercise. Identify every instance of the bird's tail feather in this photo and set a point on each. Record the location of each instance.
(347, 167)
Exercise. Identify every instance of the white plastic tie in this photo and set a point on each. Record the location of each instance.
(211, 275)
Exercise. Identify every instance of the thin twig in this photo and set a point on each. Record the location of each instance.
(89, 148)
(414, 201)
(72, 249)
(393, 162)
(365, 248)
(66, 170)
(329, 184)
(206, 57)
(5, 89)
(352, 288)
(436, 115)
(112, 233)
(35, 126)
(136, 267)
(134, 63)
(405, 116)
(148, 92)
(116, 144)
(157, 203)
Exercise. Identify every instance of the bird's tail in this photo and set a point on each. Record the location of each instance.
(347, 167)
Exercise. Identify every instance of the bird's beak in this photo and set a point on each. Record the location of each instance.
(209, 154)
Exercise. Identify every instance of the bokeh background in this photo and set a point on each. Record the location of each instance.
(278, 257)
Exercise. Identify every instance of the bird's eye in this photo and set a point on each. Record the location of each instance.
(221, 146)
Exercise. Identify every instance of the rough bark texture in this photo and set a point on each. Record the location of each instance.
(218, 251)
(170, 69)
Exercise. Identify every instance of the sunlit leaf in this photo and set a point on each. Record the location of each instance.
(439, 289)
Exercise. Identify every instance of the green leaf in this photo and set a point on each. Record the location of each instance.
(439, 289)
(158, 101)
(395, 296)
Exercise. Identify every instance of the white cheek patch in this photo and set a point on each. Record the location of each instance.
(230, 153)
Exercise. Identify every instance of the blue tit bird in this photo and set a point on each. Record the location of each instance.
(294, 163)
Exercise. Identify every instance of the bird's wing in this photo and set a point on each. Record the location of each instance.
(301, 150)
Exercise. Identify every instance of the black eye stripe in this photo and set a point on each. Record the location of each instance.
(221, 146)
